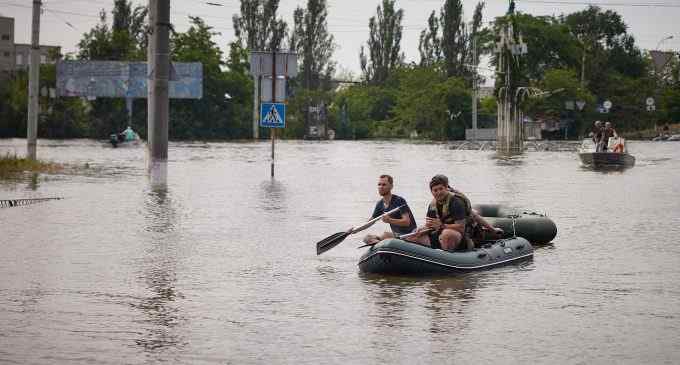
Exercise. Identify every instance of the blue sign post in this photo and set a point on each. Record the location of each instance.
(273, 115)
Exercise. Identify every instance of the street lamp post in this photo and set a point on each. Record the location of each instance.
(663, 40)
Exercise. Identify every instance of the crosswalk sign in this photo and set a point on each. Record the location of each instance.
(273, 115)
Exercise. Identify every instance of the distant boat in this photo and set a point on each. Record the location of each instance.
(119, 140)
(594, 159)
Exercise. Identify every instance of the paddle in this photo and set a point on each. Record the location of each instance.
(401, 237)
(334, 239)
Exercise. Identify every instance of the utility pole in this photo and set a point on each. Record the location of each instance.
(150, 52)
(34, 83)
(474, 88)
(256, 106)
(158, 84)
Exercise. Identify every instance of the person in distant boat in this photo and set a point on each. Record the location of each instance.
(401, 222)
(130, 135)
(596, 134)
(479, 224)
(607, 133)
(449, 218)
(666, 129)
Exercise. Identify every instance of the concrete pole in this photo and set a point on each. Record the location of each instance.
(150, 90)
(128, 106)
(33, 84)
(257, 80)
(160, 68)
(474, 89)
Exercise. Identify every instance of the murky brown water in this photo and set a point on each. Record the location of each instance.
(220, 266)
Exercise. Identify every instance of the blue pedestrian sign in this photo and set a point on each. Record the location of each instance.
(273, 115)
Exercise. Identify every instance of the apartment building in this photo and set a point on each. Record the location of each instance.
(16, 56)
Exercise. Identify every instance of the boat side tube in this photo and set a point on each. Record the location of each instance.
(394, 256)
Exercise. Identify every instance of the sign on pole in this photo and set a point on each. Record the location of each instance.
(261, 64)
(266, 93)
(580, 104)
(273, 115)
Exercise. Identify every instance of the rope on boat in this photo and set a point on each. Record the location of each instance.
(8, 203)
(514, 231)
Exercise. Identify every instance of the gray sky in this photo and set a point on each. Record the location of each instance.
(348, 20)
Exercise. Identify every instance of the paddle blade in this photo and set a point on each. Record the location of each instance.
(330, 242)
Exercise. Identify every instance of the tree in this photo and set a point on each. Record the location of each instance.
(129, 31)
(429, 44)
(428, 104)
(454, 47)
(96, 44)
(311, 40)
(257, 27)
(550, 44)
(205, 117)
(384, 44)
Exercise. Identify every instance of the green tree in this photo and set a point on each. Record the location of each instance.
(384, 44)
(205, 117)
(129, 31)
(257, 27)
(454, 47)
(312, 41)
(433, 107)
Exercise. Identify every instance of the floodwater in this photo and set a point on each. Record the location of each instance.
(219, 266)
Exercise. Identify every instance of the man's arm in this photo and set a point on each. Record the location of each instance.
(403, 221)
(376, 211)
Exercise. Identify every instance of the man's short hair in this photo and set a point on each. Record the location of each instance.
(439, 180)
(389, 179)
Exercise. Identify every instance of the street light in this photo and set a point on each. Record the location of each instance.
(663, 40)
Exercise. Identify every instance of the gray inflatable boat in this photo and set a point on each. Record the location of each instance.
(394, 256)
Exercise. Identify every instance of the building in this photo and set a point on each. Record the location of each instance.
(6, 44)
(16, 56)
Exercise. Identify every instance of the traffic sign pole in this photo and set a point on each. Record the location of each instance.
(273, 130)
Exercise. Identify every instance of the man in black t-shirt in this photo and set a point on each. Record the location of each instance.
(401, 221)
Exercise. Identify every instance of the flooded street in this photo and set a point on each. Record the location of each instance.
(220, 266)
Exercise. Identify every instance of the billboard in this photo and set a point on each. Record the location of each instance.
(117, 79)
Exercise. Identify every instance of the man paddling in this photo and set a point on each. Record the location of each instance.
(401, 222)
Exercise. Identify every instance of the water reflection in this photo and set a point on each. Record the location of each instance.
(503, 159)
(273, 197)
(159, 274)
(33, 182)
(445, 301)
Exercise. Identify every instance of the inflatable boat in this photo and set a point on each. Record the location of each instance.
(535, 227)
(394, 256)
